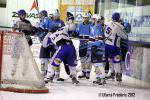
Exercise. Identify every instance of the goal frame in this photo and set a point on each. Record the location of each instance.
(14, 89)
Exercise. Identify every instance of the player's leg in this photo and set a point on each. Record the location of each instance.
(100, 73)
(44, 65)
(66, 67)
(15, 54)
(83, 65)
(88, 64)
(111, 72)
(45, 55)
(116, 58)
(82, 55)
(43, 59)
(53, 69)
(71, 60)
(88, 70)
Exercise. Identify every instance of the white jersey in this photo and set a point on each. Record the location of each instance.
(114, 31)
(55, 37)
(59, 35)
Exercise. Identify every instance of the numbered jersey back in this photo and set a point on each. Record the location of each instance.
(112, 31)
(58, 35)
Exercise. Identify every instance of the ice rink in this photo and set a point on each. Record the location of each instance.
(84, 91)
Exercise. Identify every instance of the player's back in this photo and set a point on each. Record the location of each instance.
(113, 32)
(58, 35)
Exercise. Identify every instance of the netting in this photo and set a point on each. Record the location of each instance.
(19, 72)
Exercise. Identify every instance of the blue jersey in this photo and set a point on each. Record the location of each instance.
(96, 44)
(96, 36)
(96, 31)
(84, 29)
(45, 24)
(57, 24)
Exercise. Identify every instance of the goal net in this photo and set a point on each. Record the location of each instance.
(18, 69)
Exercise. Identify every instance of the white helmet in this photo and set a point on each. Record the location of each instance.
(86, 15)
(94, 16)
(69, 27)
(56, 13)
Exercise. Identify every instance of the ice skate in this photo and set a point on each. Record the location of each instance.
(83, 75)
(119, 78)
(46, 80)
(99, 81)
(60, 79)
(112, 76)
(74, 81)
(88, 75)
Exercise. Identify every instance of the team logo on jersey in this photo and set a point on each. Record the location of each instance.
(117, 58)
(57, 61)
(127, 61)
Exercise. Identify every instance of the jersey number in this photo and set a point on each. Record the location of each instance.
(108, 30)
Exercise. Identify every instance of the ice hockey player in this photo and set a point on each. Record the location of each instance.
(65, 52)
(83, 31)
(24, 25)
(71, 23)
(21, 25)
(114, 31)
(97, 48)
(72, 30)
(58, 24)
(45, 53)
(124, 42)
(124, 49)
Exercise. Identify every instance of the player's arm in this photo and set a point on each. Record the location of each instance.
(121, 33)
(47, 40)
(15, 26)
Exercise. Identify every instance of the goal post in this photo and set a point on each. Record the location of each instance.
(18, 69)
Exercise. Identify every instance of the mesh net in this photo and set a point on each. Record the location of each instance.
(19, 71)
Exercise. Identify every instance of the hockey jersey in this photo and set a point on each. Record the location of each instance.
(23, 25)
(114, 31)
(84, 29)
(55, 38)
(96, 36)
(46, 23)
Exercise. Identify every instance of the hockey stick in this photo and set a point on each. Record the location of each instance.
(6, 27)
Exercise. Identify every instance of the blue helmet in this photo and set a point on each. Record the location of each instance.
(21, 12)
(43, 13)
(116, 16)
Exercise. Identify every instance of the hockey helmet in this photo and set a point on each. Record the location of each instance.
(94, 16)
(21, 12)
(43, 13)
(69, 16)
(102, 18)
(86, 15)
(116, 16)
(56, 13)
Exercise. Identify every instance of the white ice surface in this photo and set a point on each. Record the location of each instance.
(85, 91)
